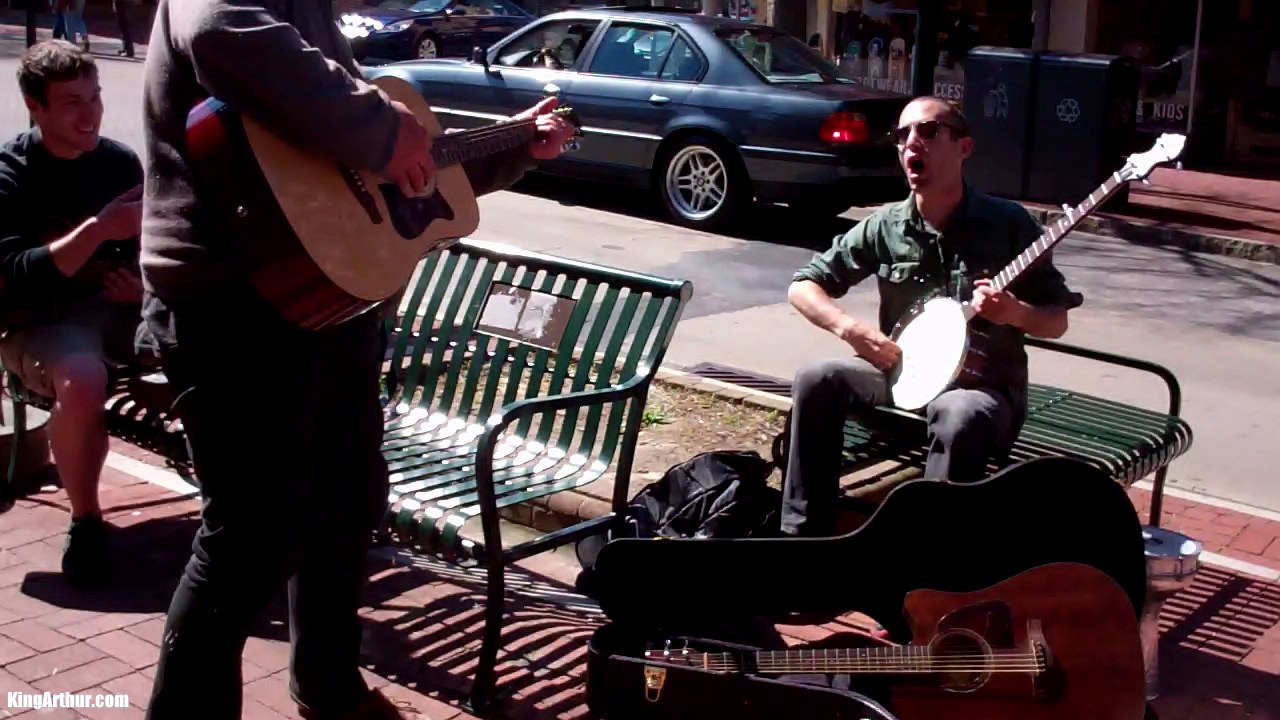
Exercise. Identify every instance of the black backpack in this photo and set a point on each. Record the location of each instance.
(717, 494)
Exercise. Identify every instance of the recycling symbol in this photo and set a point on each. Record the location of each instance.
(1068, 110)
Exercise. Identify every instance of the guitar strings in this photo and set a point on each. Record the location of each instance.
(1009, 663)
(1013, 666)
(465, 136)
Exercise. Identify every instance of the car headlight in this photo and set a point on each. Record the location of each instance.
(396, 27)
(354, 25)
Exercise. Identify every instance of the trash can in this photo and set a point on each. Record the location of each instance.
(1083, 125)
(1172, 562)
(998, 86)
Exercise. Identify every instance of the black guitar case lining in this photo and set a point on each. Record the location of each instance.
(926, 534)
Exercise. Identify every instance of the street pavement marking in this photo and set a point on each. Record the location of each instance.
(1242, 566)
(1217, 502)
(167, 479)
(173, 482)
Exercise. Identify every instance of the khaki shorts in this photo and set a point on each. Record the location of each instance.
(106, 331)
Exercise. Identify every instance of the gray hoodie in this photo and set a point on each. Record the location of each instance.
(297, 77)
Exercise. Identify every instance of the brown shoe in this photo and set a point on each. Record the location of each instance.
(375, 706)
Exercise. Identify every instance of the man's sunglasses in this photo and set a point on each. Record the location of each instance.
(927, 130)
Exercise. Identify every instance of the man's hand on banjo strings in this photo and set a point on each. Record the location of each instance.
(998, 306)
(872, 345)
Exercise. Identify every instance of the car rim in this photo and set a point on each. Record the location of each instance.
(697, 182)
(427, 48)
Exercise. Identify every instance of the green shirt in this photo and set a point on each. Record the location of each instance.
(911, 260)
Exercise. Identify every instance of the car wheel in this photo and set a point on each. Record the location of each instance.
(702, 183)
(427, 47)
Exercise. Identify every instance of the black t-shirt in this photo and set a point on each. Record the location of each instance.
(44, 197)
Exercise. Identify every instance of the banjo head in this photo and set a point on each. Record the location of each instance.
(934, 342)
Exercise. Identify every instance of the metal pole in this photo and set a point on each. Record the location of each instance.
(1195, 73)
(1040, 32)
(31, 22)
(926, 52)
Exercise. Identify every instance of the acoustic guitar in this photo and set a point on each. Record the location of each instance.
(325, 242)
(965, 545)
(1057, 642)
(934, 333)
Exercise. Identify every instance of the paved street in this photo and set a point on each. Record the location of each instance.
(1213, 320)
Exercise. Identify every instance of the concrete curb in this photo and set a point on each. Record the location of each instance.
(1161, 235)
(562, 509)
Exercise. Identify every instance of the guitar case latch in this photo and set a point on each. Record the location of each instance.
(654, 679)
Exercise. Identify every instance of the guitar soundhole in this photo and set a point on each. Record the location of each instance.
(962, 659)
(412, 216)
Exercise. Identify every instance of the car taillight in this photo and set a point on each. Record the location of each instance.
(845, 128)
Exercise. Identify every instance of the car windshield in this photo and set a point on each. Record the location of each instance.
(418, 6)
(781, 58)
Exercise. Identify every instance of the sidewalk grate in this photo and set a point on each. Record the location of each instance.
(738, 376)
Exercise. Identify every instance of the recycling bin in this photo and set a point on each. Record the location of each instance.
(1083, 125)
(998, 87)
(1173, 560)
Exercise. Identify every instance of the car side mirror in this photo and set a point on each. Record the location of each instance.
(481, 56)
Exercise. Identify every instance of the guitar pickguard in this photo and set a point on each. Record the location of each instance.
(412, 216)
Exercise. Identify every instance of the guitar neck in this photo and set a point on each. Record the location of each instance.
(466, 145)
(1054, 233)
(893, 660)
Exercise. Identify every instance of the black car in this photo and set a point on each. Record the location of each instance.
(707, 111)
(391, 30)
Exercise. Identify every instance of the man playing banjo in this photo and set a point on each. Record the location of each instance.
(944, 238)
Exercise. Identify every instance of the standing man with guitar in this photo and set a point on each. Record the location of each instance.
(946, 238)
(284, 423)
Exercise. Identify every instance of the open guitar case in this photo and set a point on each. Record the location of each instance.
(726, 594)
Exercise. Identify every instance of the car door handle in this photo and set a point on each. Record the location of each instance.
(659, 99)
(551, 88)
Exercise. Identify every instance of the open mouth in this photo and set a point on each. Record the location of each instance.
(916, 165)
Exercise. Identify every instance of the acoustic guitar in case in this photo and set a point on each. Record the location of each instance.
(1003, 603)
(322, 242)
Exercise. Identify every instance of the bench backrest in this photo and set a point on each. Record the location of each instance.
(450, 352)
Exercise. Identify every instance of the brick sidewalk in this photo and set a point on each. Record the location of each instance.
(1220, 654)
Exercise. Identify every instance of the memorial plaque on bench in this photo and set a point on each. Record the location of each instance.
(526, 316)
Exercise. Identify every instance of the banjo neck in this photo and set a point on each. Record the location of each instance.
(1054, 233)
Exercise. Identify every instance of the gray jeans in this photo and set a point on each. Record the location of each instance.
(966, 428)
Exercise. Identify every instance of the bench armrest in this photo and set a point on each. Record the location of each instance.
(1170, 381)
(533, 406)
(551, 403)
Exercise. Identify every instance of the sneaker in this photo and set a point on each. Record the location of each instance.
(375, 706)
(85, 558)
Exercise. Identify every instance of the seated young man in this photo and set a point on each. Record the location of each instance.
(70, 208)
(946, 236)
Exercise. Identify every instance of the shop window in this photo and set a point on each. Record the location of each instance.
(875, 40)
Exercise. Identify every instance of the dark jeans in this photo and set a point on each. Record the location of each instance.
(966, 427)
(284, 427)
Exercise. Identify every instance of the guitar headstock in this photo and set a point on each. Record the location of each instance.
(572, 118)
(1167, 148)
(676, 656)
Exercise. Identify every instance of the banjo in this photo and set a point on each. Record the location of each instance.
(934, 333)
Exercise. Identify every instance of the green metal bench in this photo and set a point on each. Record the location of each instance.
(481, 417)
(1126, 442)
